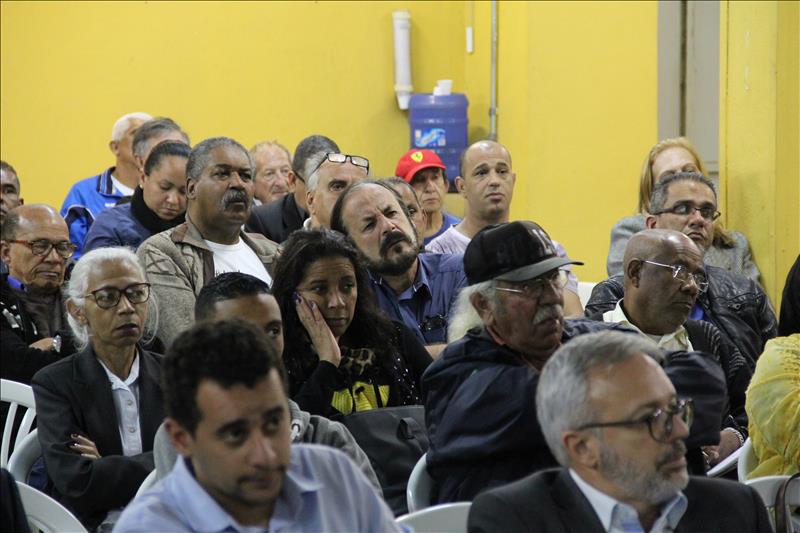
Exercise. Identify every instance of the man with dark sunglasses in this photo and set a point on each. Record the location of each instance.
(36, 247)
(687, 202)
(330, 174)
(618, 427)
(664, 275)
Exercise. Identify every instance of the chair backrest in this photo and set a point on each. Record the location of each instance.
(585, 291)
(726, 465)
(747, 461)
(17, 395)
(24, 455)
(445, 518)
(46, 514)
(420, 483)
(148, 482)
(768, 486)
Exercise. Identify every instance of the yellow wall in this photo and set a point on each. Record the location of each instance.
(249, 70)
(760, 131)
(578, 110)
(577, 96)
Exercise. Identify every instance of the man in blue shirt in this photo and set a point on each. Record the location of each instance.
(228, 417)
(413, 288)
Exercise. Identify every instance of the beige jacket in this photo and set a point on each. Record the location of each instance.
(178, 264)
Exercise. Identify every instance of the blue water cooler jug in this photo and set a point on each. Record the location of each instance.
(439, 123)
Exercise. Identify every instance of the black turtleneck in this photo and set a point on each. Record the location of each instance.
(148, 217)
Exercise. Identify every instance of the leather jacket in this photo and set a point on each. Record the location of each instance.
(735, 304)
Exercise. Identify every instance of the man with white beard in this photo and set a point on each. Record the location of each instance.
(617, 426)
(478, 395)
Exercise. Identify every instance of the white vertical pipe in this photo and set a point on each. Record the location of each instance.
(493, 89)
(402, 57)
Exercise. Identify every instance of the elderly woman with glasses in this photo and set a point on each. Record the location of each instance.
(98, 410)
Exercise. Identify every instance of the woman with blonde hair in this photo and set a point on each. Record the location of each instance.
(729, 249)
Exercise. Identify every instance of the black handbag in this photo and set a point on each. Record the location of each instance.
(394, 438)
(783, 519)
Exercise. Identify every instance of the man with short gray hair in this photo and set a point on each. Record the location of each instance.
(328, 175)
(737, 305)
(180, 261)
(152, 132)
(88, 197)
(277, 219)
(617, 426)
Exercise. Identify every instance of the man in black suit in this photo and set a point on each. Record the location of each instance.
(277, 219)
(614, 422)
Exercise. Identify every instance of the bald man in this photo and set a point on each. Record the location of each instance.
(487, 185)
(35, 245)
(664, 275)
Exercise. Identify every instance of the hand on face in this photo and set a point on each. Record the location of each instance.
(322, 337)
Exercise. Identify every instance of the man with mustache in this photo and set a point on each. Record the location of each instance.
(687, 202)
(35, 245)
(179, 261)
(481, 421)
(228, 417)
(487, 185)
(617, 427)
(413, 288)
(663, 276)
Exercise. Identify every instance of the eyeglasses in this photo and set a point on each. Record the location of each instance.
(660, 423)
(334, 157)
(533, 287)
(687, 208)
(109, 297)
(680, 273)
(43, 247)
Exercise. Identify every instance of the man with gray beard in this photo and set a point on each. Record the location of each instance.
(180, 261)
(617, 426)
(481, 421)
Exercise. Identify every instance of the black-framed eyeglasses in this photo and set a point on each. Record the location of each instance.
(109, 297)
(334, 157)
(42, 247)
(533, 288)
(680, 273)
(660, 423)
(687, 208)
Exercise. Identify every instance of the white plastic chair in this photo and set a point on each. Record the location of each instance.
(767, 487)
(445, 518)
(24, 455)
(17, 395)
(46, 514)
(585, 291)
(727, 464)
(418, 490)
(747, 461)
(148, 482)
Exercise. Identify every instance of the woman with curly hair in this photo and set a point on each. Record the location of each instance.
(342, 354)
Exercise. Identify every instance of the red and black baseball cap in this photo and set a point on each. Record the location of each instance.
(415, 160)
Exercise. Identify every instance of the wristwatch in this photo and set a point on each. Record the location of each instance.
(56, 347)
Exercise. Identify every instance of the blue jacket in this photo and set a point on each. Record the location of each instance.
(84, 201)
(116, 227)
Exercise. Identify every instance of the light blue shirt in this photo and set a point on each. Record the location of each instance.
(618, 517)
(322, 491)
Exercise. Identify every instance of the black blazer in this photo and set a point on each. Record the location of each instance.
(550, 501)
(277, 219)
(74, 396)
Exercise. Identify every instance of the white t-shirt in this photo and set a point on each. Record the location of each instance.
(123, 189)
(238, 258)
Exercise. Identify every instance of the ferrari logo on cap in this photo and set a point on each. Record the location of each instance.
(417, 156)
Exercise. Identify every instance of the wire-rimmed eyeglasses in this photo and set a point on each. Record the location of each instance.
(334, 157)
(533, 288)
(680, 273)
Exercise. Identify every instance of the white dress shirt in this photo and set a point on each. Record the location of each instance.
(126, 403)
